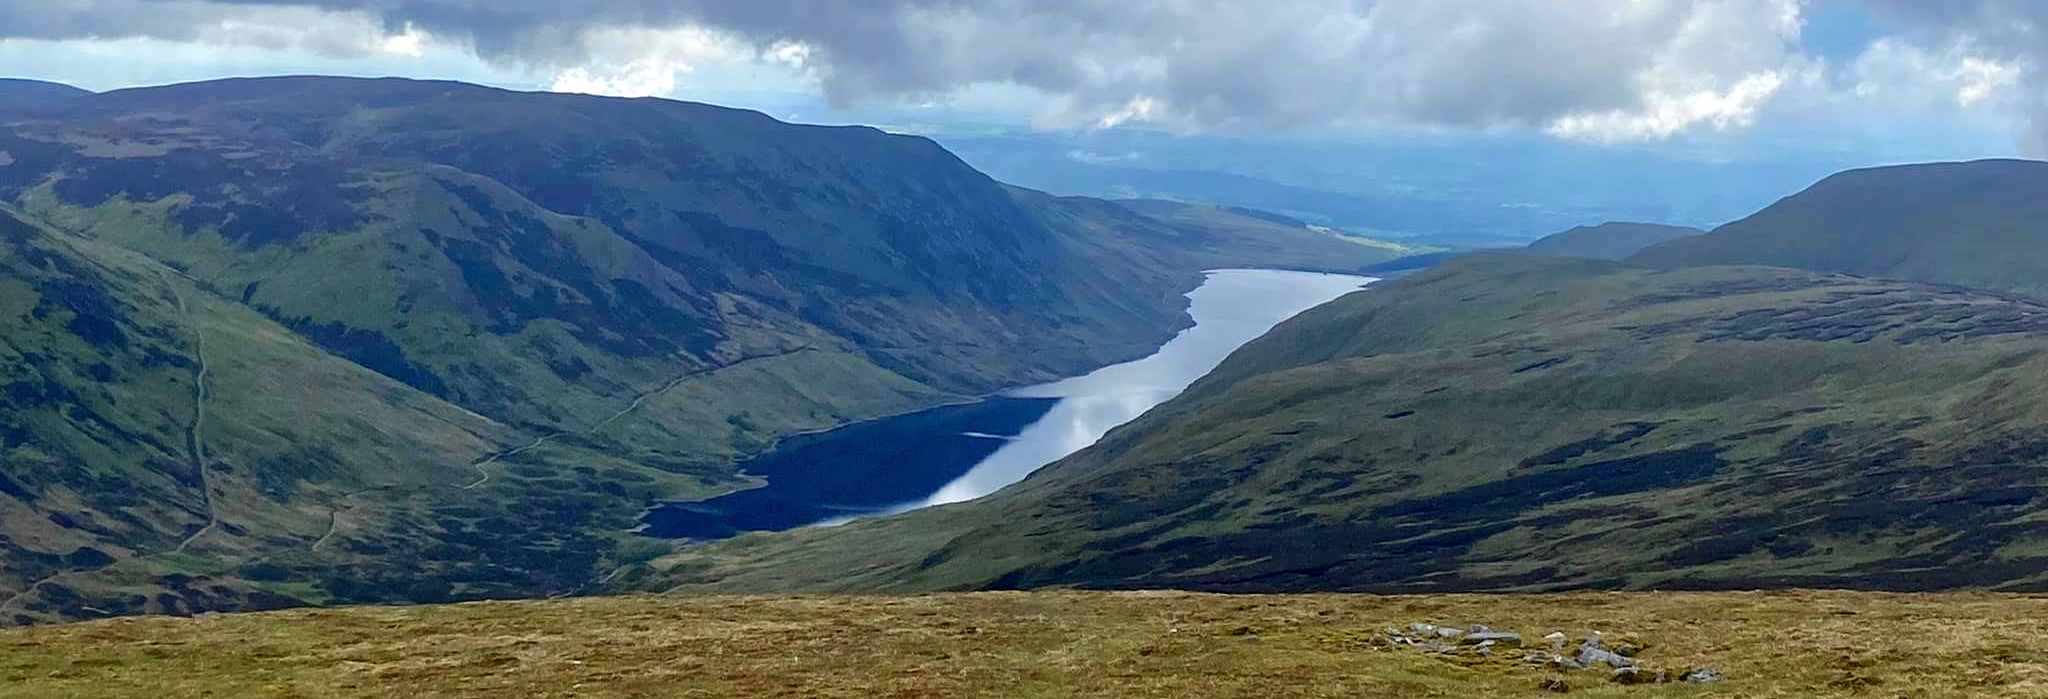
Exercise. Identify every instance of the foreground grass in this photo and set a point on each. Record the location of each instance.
(1790, 644)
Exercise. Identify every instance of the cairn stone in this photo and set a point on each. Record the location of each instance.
(1704, 675)
(1595, 652)
(1497, 638)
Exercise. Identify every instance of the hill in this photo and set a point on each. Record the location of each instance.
(16, 92)
(1610, 241)
(1051, 644)
(1225, 233)
(1514, 422)
(1980, 224)
(167, 450)
(540, 313)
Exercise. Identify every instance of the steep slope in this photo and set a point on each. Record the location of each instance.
(1981, 224)
(460, 337)
(1523, 422)
(543, 258)
(169, 450)
(1610, 241)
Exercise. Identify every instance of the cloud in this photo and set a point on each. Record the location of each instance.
(323, 31)
(1596, 70)
(1991, 52)
(1599, 68)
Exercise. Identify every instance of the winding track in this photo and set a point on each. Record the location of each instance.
(195, 447)
(195, 443)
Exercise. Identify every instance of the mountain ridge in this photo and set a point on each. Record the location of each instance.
(1976, 223)
(619, 299)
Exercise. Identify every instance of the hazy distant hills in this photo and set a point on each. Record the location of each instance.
(455, 338)
(1515, 421)
(1610, 241)
(1981, 224)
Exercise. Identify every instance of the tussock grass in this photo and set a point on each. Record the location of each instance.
(1047, 644)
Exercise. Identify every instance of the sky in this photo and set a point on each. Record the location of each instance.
(1873, 80)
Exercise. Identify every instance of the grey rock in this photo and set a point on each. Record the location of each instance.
(1500, 638)
(1449, 632)
(1557, 640)
(1594, 652)
(1704, 675)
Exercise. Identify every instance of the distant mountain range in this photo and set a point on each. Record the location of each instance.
(306, 340)
(1754, 407)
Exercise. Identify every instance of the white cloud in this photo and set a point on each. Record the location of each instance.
(1665, 114)
(643, 62)
(411, 42)
(1900, 74)
(643, 78)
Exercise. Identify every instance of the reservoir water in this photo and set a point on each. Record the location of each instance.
(962, 452)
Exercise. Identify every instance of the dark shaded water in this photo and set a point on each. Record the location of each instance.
(963, 452)
(864, 468)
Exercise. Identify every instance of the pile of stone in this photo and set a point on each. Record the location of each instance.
(1595, 653)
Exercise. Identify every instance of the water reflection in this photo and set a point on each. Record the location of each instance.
(1232, 308)
(963, 452)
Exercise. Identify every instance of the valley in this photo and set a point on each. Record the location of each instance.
(966, 451)
(1317, 349)
(389, 360)
(1528, 423)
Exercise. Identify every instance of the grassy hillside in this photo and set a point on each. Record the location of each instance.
(169, 450)
(462, 336)
(1981, 224)
(1610, 241)
(1526, 423)
(1019, 645)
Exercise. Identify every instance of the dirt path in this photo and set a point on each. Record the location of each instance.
(195, 441)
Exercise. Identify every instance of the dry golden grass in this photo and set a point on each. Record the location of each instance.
(1055, 644)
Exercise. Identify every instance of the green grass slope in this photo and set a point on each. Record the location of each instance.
(1512, 422)
(167, 449)
(1610, 241)
(1981, 224)
(460, 337)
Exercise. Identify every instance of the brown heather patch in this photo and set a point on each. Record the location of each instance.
(1050, 644)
